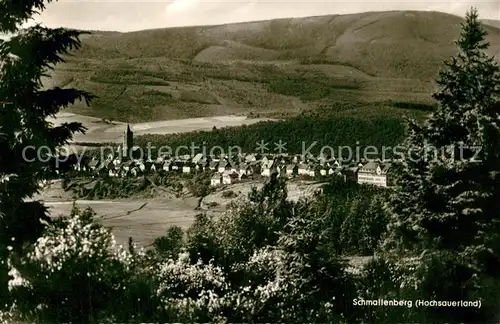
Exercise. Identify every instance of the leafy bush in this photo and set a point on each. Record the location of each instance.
(106, 187)
(199, 185)
(364, 225)
(355, 221)
(203, 241)
(193, 292)
(171, 243)
(74, 272)
(272, 288)
(229, 194)
(212, 204)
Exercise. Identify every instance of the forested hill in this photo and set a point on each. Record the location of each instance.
(274, 67)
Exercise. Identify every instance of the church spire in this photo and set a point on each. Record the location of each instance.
(128, 143)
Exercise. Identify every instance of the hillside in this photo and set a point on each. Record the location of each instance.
(271, 68)
(491, 22)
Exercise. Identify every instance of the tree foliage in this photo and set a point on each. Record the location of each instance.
(26, 58)
(444, 195)
(445, 205)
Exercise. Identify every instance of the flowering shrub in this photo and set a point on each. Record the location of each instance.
(74, 271)
(195, 292)
(9, 316)
(271, 286)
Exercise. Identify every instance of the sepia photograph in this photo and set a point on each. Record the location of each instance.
(196, 161)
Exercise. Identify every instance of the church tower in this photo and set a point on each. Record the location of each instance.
(128, 143)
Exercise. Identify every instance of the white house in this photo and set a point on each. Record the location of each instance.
(267, 167)
(233, 167)
(202, 165)
(127, 165)
(115, 172)
(228, 178)
(375, 173)
(281, 168)
(141, 166)
(78, 167)
(303, 169)
(187, 168)
(222, 166)
(245, 169)
(291, 170)
(216, 180)
(93, 164)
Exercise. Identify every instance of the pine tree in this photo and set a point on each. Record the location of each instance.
(27, 57)
(447, 197)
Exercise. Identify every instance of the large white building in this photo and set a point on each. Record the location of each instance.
(374, 173)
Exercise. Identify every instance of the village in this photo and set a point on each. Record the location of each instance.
(231, 169)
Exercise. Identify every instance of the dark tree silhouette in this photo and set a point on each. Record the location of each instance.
(445, 205)
(446, 197)
(26, 58)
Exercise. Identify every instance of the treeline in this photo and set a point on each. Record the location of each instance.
(412, 105)
(106, 187)
(298, 135)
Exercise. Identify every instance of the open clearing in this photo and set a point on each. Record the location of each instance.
(101, 131)
(142, 220)
(146, 219)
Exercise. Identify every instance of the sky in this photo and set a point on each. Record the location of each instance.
(126, 15)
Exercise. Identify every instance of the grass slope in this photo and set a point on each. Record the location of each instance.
(279, 67)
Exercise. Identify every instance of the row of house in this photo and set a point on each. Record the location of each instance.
(230, 169)
(227, 170)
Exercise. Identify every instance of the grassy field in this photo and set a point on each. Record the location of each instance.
(276, 68)
(145, 219)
